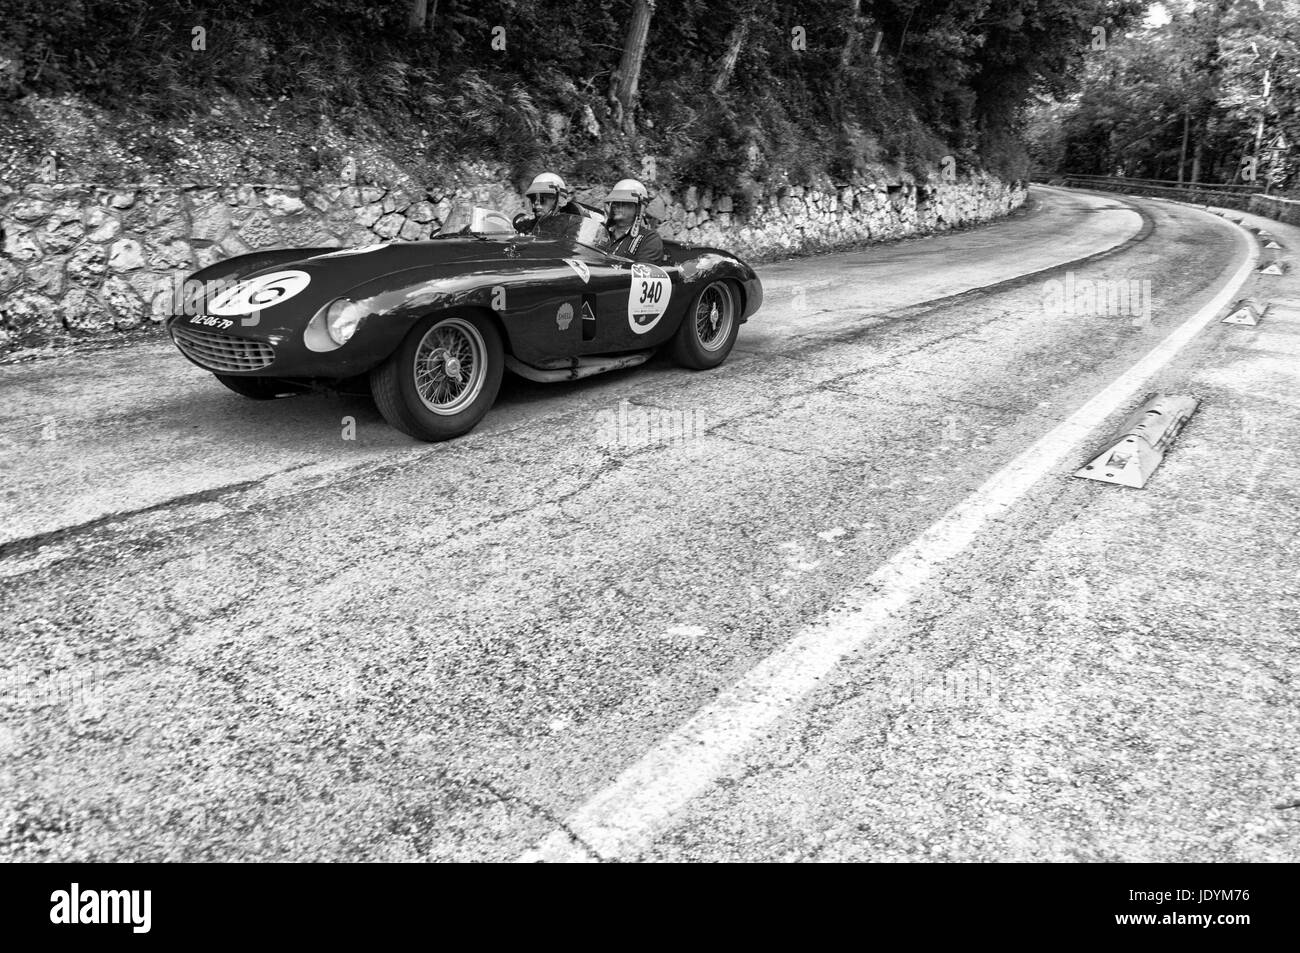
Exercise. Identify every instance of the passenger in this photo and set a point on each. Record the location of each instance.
(625, 214)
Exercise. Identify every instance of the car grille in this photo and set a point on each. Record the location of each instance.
(221, 352)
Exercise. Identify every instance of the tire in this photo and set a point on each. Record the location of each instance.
(415, 389)
(709, 327)
(257, 388)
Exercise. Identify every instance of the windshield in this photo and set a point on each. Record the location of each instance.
(467, 219)
(575, 228)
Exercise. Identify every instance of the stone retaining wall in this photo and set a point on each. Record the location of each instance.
(91, 261)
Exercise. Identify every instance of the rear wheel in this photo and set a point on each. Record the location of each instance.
(443, 378)
(709, 328)
(257, 388)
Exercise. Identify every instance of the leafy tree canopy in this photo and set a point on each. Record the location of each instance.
(818, 87)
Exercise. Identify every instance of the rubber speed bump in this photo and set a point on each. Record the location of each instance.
(1140, 445)
(1243, 312)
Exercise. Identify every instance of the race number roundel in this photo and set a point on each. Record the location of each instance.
(647, 299)
(256, 294)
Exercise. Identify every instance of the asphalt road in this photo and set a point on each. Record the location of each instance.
(230, 633)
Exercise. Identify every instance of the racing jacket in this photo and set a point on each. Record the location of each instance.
(640, 243)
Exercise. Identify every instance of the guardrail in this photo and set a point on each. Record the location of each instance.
(1151, 183)
(1276, 207)
(1225, 195)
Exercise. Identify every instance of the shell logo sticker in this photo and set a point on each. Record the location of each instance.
(564, 316)
(647, 299)
(580, 267)
(257, 294)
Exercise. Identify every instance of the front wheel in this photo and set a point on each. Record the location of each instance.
(443, 378)
(709, 327)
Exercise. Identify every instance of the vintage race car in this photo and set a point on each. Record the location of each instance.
(432, 325)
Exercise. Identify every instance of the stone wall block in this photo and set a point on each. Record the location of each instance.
(79, 310)
(29, 311)
(47, 276)
(210, 222)
(30, 210)
(10, 276)
(388, 227)
(125, 255)
(86, 265)
(124, 305)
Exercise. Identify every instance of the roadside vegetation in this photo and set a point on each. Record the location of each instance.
(725, 92)
(1211, 95)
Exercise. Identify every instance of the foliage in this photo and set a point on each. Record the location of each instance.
(950, 77)
(1199, 77)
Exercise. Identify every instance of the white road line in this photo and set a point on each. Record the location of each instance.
(622, 820)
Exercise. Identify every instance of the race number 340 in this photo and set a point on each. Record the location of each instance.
(648, 297)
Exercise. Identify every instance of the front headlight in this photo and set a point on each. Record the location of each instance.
(342, 320)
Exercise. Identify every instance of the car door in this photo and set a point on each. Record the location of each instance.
(632, 306)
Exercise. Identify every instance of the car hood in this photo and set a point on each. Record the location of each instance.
(288, 286)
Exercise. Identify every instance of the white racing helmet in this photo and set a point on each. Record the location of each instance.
(628, 190)
(548, 183)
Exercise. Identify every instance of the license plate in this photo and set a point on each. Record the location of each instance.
(212, 322)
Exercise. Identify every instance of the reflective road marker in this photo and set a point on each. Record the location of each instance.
(1142, 442)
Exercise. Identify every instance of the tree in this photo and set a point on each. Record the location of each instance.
(846, 55)
(629, 67)
(727, 64)
(1218, 83)
(423, 14)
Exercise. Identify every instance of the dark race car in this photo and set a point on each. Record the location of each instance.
(432, 325)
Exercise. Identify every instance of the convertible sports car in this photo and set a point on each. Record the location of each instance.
(432, 325)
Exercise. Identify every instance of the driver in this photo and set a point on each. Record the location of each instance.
(633, 236)
(549, 196)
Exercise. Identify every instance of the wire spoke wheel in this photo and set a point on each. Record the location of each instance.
(443, 377)
(708, 329)
(715, 315)
(450, 366)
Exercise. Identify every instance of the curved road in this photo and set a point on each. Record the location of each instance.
(232, 633)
